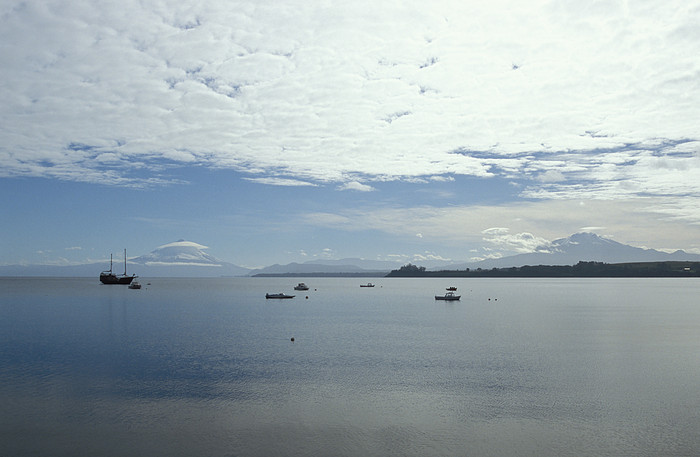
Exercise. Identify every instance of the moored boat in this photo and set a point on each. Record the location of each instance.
(301, 286)
(452, 288)
(135, 285)
(449, 296)
(279, 295)
(109, 277)
(369, 284)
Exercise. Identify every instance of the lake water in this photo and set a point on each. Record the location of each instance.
(207, 367)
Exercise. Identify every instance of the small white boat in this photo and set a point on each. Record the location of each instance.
(301, 286)
(449, 296)
(279, 295)
(369, 284)
(135, 285)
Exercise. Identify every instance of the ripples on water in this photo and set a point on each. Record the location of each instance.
(207, 367)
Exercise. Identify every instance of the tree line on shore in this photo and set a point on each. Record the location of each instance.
(580, 270)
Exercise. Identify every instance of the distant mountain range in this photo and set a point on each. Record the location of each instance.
(188, 259)
(179, 259)
(578, 247)
(330, 267)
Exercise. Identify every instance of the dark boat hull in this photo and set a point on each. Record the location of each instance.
(110, 278)
(278, 296)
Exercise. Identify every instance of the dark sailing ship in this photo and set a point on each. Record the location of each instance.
(108, 277)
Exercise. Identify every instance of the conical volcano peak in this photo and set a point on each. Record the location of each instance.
(584, 239)
(179, 252)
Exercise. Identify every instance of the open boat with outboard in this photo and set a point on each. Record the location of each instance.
(449, 296)
(279, 295)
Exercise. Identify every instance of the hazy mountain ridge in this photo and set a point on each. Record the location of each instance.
(179, 259)
(583, 246)
(375, 265)
(188, 259)
(307, 268)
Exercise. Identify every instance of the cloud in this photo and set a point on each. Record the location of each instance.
(655, 168)
(280, 182)
(592, 229)
(519, 242)
(412, 90)
(429, 256)
(183, 243)
(663, 222)
(354, 185)
(551, 176)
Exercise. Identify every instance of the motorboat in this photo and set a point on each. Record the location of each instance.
(449, 296)
(135, 285)
(279, 295)
(452, 288)
(369, 284)
(301, 286)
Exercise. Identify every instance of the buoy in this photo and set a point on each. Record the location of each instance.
(307, 297)
(292, 339)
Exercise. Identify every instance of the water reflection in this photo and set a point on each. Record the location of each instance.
(207, 367)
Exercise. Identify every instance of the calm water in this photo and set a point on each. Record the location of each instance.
(206, 367)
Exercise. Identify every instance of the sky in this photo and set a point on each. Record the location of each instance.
(293, 130)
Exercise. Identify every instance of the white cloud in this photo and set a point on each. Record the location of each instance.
(429, 256)
(664, 222)
(551, 176)
(183, 243)
(495, 231)
(592, 229)
(281, 182)
(354, 185)
(519, 242)
(379, 90)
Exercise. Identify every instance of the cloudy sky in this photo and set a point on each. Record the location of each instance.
(275, 131)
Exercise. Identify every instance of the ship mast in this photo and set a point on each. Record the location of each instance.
(124, 262)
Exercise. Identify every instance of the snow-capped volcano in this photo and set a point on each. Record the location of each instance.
(183, 258)
(179, 253)
(578, 247)
(178, 260)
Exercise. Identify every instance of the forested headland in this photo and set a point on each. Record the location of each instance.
(580, 270)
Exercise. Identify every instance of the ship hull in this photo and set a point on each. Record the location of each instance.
(115, 279)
